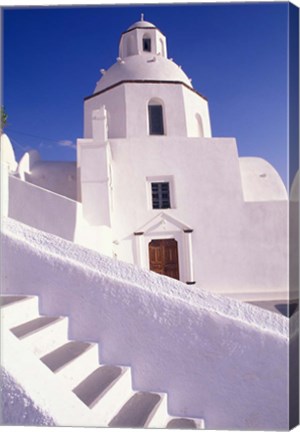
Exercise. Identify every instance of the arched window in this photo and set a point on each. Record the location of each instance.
(146, 43)
(155, 115)
(200, 132)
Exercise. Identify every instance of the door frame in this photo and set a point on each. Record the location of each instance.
(163, 226)
(177, 253)
(176, 235)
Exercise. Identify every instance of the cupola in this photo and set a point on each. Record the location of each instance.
(142, 37)
(142, 56)
(145, 94)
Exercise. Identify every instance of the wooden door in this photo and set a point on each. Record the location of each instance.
(163, 257)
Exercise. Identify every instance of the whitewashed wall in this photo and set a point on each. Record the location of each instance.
(217, 358)
(42, 209)
(238, 247)
(127, 107)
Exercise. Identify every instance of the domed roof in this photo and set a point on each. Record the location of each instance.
(146, 67)
(141, 23)
(260, 180)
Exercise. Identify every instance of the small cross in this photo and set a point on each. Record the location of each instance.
(142, 17)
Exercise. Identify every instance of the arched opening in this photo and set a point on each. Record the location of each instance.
(200, 132)
(147, 43)
(156, 117)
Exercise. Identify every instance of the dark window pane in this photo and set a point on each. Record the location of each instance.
(156, 120)
(147, 44)
(160, 195)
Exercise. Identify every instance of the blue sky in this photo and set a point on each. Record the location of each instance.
(236, 55)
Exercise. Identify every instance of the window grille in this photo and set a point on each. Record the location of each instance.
(160, 195)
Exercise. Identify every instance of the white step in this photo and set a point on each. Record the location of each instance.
(185, 423)
(137, 411)
(42, 334)
(159, 415)
(73, 361)
(105, 391)
(17, 310)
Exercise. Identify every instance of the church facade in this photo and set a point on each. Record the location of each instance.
(153, 187)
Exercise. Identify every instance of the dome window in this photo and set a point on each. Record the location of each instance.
(146, 44)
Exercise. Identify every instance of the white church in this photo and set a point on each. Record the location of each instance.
(87, 338)
(151, 186)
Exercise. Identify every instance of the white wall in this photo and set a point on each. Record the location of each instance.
(217, 358)
(55, 214)
(114, 101)
(238, 247)
(58, 177)
(127, 107)
(196, 106)
(42, 209)
(137, 99)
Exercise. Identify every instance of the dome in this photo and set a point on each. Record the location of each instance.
(260, 180)
(141, 24)
(147, 67)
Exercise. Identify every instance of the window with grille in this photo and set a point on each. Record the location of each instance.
(160, 195)
(156, 124)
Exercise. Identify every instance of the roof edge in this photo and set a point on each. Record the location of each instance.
(142, 28)
(144, 82)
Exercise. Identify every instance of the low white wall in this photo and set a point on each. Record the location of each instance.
(42, 209)
(57, 177)
(217, 358)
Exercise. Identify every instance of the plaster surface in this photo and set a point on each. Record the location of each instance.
(218, 359)
(42, 208)
(142, 67)
(58, 177)
(260, 180)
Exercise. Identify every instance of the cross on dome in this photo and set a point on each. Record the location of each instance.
(142, 17)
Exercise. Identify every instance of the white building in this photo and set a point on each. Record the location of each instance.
(154, 188)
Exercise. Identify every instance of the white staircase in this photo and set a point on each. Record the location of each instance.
(101, 395)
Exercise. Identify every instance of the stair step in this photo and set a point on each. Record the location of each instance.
(136, 411)
(16, 310)
(181, 423)
(72, 361)
(105, 391)
(42, 334)
(9, 299)
(92, 388)
(32, 326)
(159, 416)
(58, 358)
